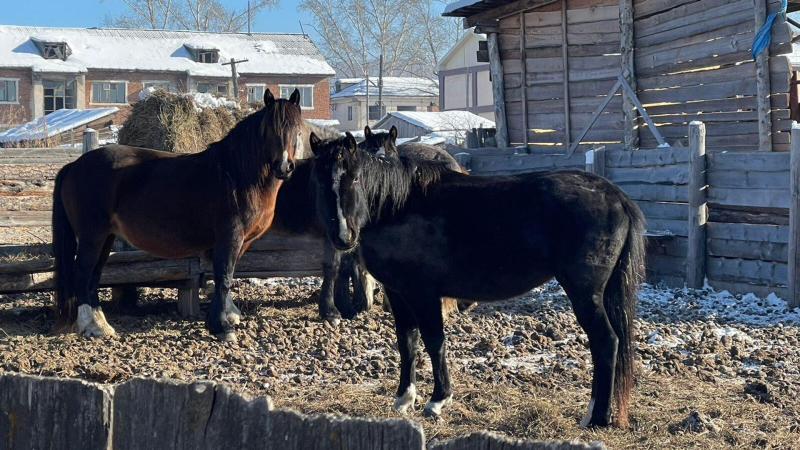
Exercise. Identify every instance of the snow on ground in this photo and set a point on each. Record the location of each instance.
(55, 123)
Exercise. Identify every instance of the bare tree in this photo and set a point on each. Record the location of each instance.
(198, 15)
(410, 34)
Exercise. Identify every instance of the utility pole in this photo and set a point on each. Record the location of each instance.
(380, 87)
(234, 76)
(248, 17)
(366, 83)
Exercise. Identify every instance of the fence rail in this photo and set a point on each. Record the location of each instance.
(39, 412)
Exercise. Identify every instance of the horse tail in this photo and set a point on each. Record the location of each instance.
(619, 300)
(64, 250)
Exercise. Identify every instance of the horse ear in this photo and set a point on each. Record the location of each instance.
(315, 141)
(351, 143)
(393, 133)
(295, 98)
(367, 132)
(269, 99)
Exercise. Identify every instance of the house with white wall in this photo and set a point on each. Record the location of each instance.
(464, 82)
(349, 100)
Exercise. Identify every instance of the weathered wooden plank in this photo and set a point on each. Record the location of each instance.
(678, 174)
(763, 88)
(747, 270)
(656, 192)
(496, 68)
(715, 75)
(746, 179)
(747, 232)
(759, 290)
(51, 413)
(487, 164)
(676, 227)
(25, 218)
(687, 14)
(647, 157)
(765, 251)
(649, 7)
(659, 210)
(593, 14)
(769, 198)
(718, 28)
(666, 265)
(711, 91)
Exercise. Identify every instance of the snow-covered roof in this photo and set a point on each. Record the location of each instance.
(439, 121)
(794, 57)
(162, 51)
(459, 4)
(324, 122)
(56, 122)
(392, 87)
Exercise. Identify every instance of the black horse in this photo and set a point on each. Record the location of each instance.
(426, 232)
(172, 206)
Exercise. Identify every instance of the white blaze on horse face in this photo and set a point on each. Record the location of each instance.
(588, 417)
(285, 162)
(381, 152)
(337, 182)
(299, 147)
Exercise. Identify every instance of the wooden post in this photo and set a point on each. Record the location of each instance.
(763, 85)
(794, 220)
(523, 80)
(698, 211)
(91, 141)
(565, 60)
(631, 137)
(189, 294)
(496, 68)
(596, 161)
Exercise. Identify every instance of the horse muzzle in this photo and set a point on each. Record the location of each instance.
(347, 242)
(283, 169)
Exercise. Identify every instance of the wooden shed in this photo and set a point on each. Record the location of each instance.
(555, 61)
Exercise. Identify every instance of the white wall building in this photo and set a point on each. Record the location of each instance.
(464, 82)
(349, 101)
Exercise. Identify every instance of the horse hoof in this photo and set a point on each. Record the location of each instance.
(234, 319)
(434, 409)
(402, 403)
(227, 337)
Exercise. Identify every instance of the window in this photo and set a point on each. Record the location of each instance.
(208, 56)
(213, 88)
(55, 50)
(255, 93)
(168, 86)
(8, 91)
(406, 108)
(374, 112)
(349, 113)
(306, 94)
(108, 92)
(58, 94)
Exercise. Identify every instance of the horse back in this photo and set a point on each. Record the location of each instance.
(424, 152)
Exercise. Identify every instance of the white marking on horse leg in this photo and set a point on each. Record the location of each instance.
(337, 182)
(406, 400)
(92, 323)
(285, 162)
(588, 417)
(435, 408)
(233, 313)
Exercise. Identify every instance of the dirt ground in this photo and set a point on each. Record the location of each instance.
(716, 371)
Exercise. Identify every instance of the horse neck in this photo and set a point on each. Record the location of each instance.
(295, 209)
(388, 183)
(236, 160)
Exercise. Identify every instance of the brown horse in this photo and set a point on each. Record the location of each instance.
(171, 206)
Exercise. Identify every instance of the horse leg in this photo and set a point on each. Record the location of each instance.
(407, 334)
(91, 257)
(428, 312)
(363, 288)
(331, 262)
(226, 253)
(233, 313)
(341, 292)
(586, 296)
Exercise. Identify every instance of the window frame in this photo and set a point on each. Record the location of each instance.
(213, 88)
(290, 89)
(349, 113)
(93, 101)
(160, 83)
(263, 87)
(202, 53)
(16, 92)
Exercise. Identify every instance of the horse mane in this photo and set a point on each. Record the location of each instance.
(388, 183)
(243, 156)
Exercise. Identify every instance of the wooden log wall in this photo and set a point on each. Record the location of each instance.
(38, 412)
(693, 62)
(590, 56)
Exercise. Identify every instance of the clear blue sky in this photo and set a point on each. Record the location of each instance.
(90, 13)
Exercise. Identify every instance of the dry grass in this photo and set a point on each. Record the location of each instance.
(170, 122)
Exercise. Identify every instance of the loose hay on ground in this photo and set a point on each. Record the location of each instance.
(519, 367)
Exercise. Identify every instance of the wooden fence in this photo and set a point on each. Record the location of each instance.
(724, 217)
(51, 413)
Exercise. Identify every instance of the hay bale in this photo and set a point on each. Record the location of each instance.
(178, 123)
